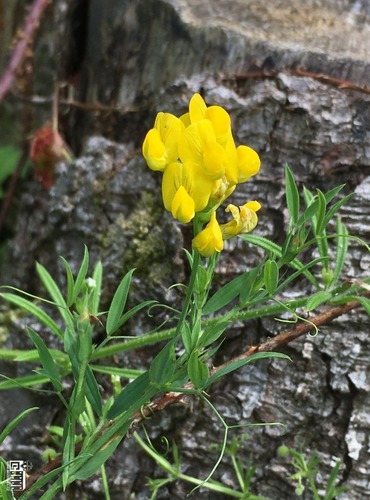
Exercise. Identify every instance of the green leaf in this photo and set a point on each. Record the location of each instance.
(276, 250)
(27, 381)
(118, 304)
(95, 296)
(225, 295)
(55, 294)
(135, 391)
(91, 466)
(317, 299)
(163, 365)
(330, 195)
(81, 275)
(309, 212)
(114, 370)
(92, 391)
(320, 216)
(46, 359)
(187, 337)
(197, 370)
(241, 362)
(365, 302)
(334, 209)
(36, 311)
(69, 437)
(70, 282)
(271, 276)
(292, 195)
(341, 250)
(9, 427)
(213, 333)
(295, 275)
(249, 283)
(125, 317)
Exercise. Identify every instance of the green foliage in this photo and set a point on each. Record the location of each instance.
(306, 471)
(96, 423)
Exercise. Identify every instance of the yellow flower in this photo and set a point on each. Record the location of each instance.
(160, 147)
(244, 219)
(186, 190)
(201, 167)
(198, 144)
(242, 162)
(209, 240)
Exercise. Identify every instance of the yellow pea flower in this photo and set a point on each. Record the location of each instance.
(244, 219)
(217, 115)
(186, 190)
(198, 145)
(242, 162)
(160, 147)
(248, 163)
(209, 240)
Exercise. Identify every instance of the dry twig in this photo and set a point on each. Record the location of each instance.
(31, 24)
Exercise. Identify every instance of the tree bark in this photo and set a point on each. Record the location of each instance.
(294, 77)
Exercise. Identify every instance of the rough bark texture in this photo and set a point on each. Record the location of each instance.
(152, 55)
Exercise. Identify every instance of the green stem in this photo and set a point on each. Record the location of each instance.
(189, 292)
(105, 482)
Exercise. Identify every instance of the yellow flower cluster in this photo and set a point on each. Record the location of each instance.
(201, 167)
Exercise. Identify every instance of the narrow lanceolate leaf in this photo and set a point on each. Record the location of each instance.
(92, 391)
(213, 333)
(320, 216)
(125, 317)
(241, 362)
(94, 463)
(50, 285)
(118, 304)
(292, 195)
(95, 297)
(132, 393)
(334, 209)
(55, 294)
(341, 249)
(330, 195)
(276, 250)
(224, 296)
(70, 282)
(46, 360)
(318, 298)
(8, 429)
(163, 365)
(197, 370)
(365, 302)
(81, 274)
(271, 276)
(33, 309)
(23, 382)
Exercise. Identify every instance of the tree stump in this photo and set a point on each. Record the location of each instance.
(294, 78)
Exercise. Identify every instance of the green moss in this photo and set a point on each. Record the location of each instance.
(7, 318)
(144, 230)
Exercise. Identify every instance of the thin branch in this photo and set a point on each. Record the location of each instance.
(31, 24)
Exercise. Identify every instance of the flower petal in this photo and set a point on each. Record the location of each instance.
(221, 123)
(197, 108)
(244, 219)
(248, 163)
(182, 206)
(209, 240)
(154, 150)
